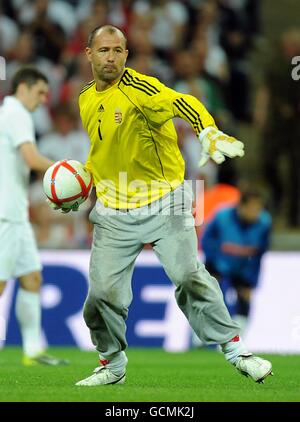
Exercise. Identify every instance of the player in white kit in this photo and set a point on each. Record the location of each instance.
(18, 250)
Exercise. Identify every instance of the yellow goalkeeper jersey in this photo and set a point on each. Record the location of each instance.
(134, 156)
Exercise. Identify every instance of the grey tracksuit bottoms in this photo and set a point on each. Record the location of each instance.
(118, 238)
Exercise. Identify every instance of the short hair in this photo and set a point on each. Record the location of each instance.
(250, 193)
(108, 28)
(29, 75)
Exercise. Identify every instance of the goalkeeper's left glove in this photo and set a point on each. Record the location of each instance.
(63, 210)
(216, 145)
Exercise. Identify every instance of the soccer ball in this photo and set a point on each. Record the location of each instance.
(67, 183)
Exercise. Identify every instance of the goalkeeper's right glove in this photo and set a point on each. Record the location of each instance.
(216, 145)
(54, 206)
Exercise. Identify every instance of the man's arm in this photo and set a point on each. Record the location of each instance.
(33, 158)
(167, 104)
(266, 236)
(38, 162)
(210, 241)
(88, 164)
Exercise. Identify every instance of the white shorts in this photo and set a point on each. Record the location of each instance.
(18, 250)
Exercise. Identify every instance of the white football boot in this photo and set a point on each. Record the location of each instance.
(102, 376)
(253, 366)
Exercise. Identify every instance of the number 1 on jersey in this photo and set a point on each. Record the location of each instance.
(99, 131)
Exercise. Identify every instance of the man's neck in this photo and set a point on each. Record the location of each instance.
(104, 85)
(21, 99)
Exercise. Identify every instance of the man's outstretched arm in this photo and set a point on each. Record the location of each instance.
(168, 104)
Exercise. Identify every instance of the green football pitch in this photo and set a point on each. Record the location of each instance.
(152, 376)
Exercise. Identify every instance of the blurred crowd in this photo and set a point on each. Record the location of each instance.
(200, 47)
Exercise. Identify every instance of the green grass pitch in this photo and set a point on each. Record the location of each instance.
(152, 376)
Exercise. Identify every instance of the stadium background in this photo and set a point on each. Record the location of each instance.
(228, 53)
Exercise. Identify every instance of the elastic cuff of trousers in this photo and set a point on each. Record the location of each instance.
(117, 363)
(233, 349)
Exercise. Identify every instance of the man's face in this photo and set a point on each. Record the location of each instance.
(107, 56)
(35, 95)
(250, 211)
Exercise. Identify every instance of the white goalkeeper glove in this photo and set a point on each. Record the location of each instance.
(54, 206)
(216, 145)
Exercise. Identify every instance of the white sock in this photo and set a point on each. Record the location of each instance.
(233, 349)
(116, 364)
(28, 312)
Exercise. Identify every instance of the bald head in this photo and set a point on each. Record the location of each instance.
(112, 30)
(107, 54)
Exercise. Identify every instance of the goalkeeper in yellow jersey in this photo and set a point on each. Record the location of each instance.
(138, 172)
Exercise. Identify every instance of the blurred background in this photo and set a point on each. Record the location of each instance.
(233, 55)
